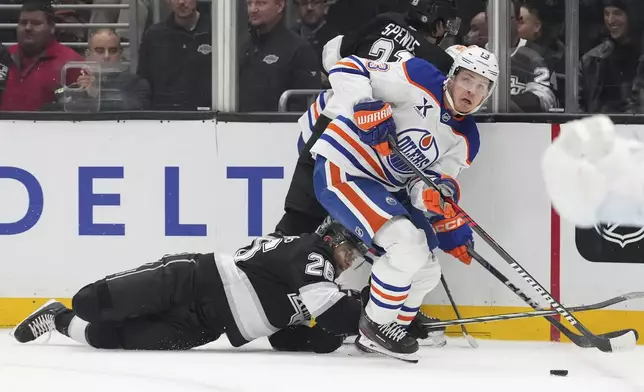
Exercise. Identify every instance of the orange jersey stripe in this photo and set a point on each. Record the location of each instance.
(373, 218)
(316, 113)
(347, 64)
(360, 150)
(405, 318)
(388, 296)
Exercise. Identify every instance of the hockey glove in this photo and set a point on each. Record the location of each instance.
(303, 338)
(362, 296)
(375, 121)
(434, 200)
(454, 235)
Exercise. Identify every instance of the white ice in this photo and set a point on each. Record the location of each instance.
(63, 365)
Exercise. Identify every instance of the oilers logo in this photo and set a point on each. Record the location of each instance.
(419, 146)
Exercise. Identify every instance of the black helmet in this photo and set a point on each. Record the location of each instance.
(335, 235)
(424, 14)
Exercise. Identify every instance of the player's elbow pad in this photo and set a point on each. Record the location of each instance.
(341, 318)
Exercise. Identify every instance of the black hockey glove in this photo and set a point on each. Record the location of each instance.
(303, 338)
(416, 330)
(362, 296)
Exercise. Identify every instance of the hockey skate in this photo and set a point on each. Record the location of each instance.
(389, 339)
(40, 322)
(435, 335)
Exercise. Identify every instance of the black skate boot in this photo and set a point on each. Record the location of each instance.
(389, 339)
(431, 336)
(38, 323)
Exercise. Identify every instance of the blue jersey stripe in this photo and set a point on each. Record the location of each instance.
(388, 286)
(347, 70)
(364, 69)
(382, 304)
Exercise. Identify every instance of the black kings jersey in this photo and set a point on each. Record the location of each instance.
(532, 83)
(389, 37)
(280, 281)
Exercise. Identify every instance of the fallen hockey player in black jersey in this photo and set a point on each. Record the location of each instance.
(271, 287)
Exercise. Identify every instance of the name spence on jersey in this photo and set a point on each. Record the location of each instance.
(402, 36)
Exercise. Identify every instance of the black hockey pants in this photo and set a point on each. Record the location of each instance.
(157, 306)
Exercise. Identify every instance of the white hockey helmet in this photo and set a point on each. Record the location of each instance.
(455, 50)
(475, 59)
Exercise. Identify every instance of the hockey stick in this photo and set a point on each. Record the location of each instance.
(581, 341)
(536, 313)
(617, 340)
(470, 339)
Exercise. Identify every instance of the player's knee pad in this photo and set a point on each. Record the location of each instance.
(428, 275)
(405, 244)
(90, 301)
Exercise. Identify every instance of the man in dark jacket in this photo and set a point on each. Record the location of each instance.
(313, 26)
(116, 88)
(5, 64)
(607, 72)
(176, 59)
(274, 60)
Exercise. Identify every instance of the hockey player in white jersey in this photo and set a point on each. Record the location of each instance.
(371, 192)
(595, 176)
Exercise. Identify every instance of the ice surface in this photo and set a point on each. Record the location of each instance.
(63, 365)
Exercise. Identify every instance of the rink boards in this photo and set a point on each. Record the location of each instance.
(80, 200)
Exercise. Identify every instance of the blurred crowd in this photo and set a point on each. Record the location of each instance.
(280, 48)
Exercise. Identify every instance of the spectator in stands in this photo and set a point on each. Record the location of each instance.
(175, 58)
(478, 34)
(539, 23)
(530, 78)
(607, 72)
(313, 26)
(273, 60)
(38, 60)
(112, 15)
(66, 15)
(5, 64)
(118, 89)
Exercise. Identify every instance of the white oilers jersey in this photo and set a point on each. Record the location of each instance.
(427, 133)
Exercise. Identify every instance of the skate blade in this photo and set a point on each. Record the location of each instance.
(366, 345)
(12, 332)
(433, 342)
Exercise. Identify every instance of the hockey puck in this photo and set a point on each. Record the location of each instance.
(557, 372)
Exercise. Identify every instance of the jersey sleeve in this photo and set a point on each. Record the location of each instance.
(354, 80)
(538, 95)
(314, 275)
